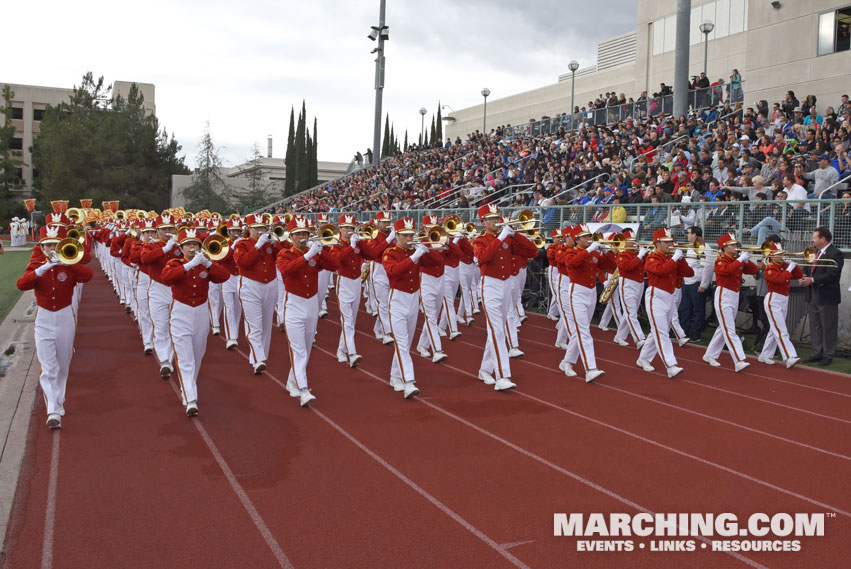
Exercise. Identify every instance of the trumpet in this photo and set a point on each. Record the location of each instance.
(215, 247)
(367, 231)
(69, 251)
(434, 237)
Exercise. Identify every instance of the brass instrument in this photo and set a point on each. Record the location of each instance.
(525, 219)
(133, 233)
(367, 231)
(69, 251)
(120, 215)
(215, 247)
(233, 216)
(808, 259)
(434, 237)
(607, 293)
(278, 233)
(76, 215)
(267, 218)
(76, 234)
(452, 224)
(364, 274)
(539, 240)
(328, 234)
(222, 229)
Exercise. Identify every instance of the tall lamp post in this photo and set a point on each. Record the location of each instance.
(573, 66)
(380, 33)
(485, 93)
(423, 112)
(706, 28)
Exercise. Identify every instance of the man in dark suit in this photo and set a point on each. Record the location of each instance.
(823, 297)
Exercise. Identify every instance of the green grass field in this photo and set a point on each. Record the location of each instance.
(12, 264)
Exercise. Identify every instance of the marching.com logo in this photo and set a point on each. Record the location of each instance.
(689, 531)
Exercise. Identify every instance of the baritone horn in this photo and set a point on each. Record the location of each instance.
(328, 234)
(75, 234)
(215, 247)
(525, 219)
(77, 215)
(367, 231)
(452, 224)
(434, 237)
(69, 251)
(539, 240)
(279, 233)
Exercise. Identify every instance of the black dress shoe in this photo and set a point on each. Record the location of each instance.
(825, 361)
(814, 359)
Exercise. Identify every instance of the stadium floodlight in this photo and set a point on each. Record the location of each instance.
(573, 66)
(423, 112)
(373, 35)
(706, 28)
(485, 93)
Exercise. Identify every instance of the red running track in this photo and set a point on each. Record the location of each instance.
(461, 476)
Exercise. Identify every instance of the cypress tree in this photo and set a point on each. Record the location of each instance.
(433, 131)
(314, 161)
(385, 144)
(300, 138)
(439, 124)
(392, 141)
(289, 161)
(406, 140)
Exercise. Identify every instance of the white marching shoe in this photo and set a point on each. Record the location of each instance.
(604, 328)
(567, 368)
(342, 358)
(441, 333)
(454, 335)
(486, 377)
(640, 344)
(711, 361)
(674, 371)
(791, 362)
(644, 364)
(387, 339)
(504, 383)
(259, 367)
(61, 409)
(683, 341)
(354, 360)
(470, 321)
(192, 409)
(231, 344)
(515, 353)
(216, 331)
(439, 357)
(423, 352)
(620, 342)
(561, 345)
(306, 397)
(592, 374)
(396, 383)
(767, 361)
(149, 349)
(292, 388)
(741, 365)
(54, 421)
(410, 390)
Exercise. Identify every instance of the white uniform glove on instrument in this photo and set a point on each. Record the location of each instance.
(678, 254)
(392, 236)
(169, 245)
(642, 253)
(46, 267)
(506, 232)
(419, 252)
(593, 247)
(743, 258)
(457, 238)
(353, 240)
(262, 241)
(205, 260)
(196, 260)
(791, 266)
(314, 250)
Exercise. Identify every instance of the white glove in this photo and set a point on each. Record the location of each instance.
(678, 254)
(262, 241)
(205, 260)
(170, 245)
(457, 238)
(743, 258)
(196, 260)
(593, 247)
(353, 240)
(237, 240)
(315, 248)
(506, 232)
(127, 233)
(791, 266)
(419, 252)
(642, 252)
(46, 267)
(391, 237)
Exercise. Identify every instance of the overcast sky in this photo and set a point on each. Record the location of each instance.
(242, 65)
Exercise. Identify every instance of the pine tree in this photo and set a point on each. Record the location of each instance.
(208, 190)
(300, 139)
(439, 124)
(433, 131)
(313, 160)
(290, 160)
(406, 140)
(385, 143)
(392, 150)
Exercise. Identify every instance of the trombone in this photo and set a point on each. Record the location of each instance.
(215, 247)
(808, 259)
(434, 237)
(328, 234)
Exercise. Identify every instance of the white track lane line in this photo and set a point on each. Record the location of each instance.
(50, 512)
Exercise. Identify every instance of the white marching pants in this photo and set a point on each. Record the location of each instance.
(231, 307)
(565, 323)
(612, 310)
(146, 325)
(512, 322)
(159, 303)
(552, 279)
(280, 304)
(468, 274)
(54, 345)
(381, 294)
(776, 306)
(258, 308)
(726, 307)
(348, 297)
(582, 301)
(403, 313)
(214, 300)
(630, 297)
(451, 282)
(431, 297)
(496, 304)
(189, 327)
(659, 304)
(301, 315)
(519, 286)
(132, 281)
(323, 278)
(675, 315)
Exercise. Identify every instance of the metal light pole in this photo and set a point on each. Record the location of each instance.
(573, 66)
(380, 33)
(423, 112)
(485, 93)
(706, 28)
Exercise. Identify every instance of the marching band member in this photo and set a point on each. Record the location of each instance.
(582, 268)
(147, 234)
(494, 250)
(258, 288)
(53, 283)
(115, 248)
(779, 276)
(280, 305)
(155, 255)
(230, 288)
(347, 254)
(663, 273)
(552, 272)
(729, 267)
(612, 309)
(564, 325)
(379, 284)
(299, 265)
(469, 276)
(402, 263)
(189, 277)
(431, 295)
(516, 282)
(630, 264)
(324, 274)
(215, 300)
(129, 272)
(451, 282)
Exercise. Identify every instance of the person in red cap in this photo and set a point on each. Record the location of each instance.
(665, 268)
(729, 267)
(630, 264)
(189, 277)
(582, 267)
(778, 277)
(155, 255)
(402, 262)
(255, 258)
(469, 277)
(53, 283)
(449, 318)
(119, 268)
(231, 308)
(564, 326)
(299, 266)
(147, 234)
(347, 254)
(379, 284)
(431, 295)
(553, 250)
(495, 249)
(325, 280)
(613, 307)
